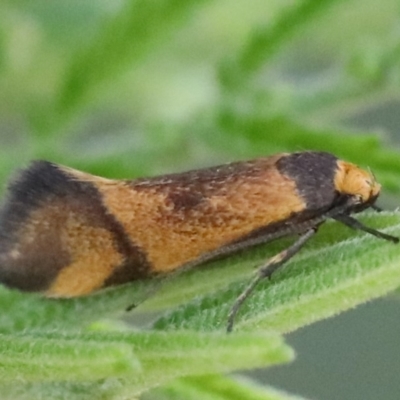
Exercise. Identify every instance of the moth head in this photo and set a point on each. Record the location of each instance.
(358, 183)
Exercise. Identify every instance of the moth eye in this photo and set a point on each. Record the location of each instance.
(358, 198)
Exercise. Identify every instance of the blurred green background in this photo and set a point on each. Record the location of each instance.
(130, 88)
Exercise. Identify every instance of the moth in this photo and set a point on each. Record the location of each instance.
(67, 233)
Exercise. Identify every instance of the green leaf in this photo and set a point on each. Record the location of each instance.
(141, 360)
(24, 311)
(31, 358)
(216, 387)
(266, 41)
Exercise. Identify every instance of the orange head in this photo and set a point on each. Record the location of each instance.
(356, 182)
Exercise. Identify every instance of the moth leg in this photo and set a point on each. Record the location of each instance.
(355, 224)
(266, 270)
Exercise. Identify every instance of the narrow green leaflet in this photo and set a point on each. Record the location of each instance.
(31, 358)
(265, 42)
(216, 387)
(26, 311)
(140, 360)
